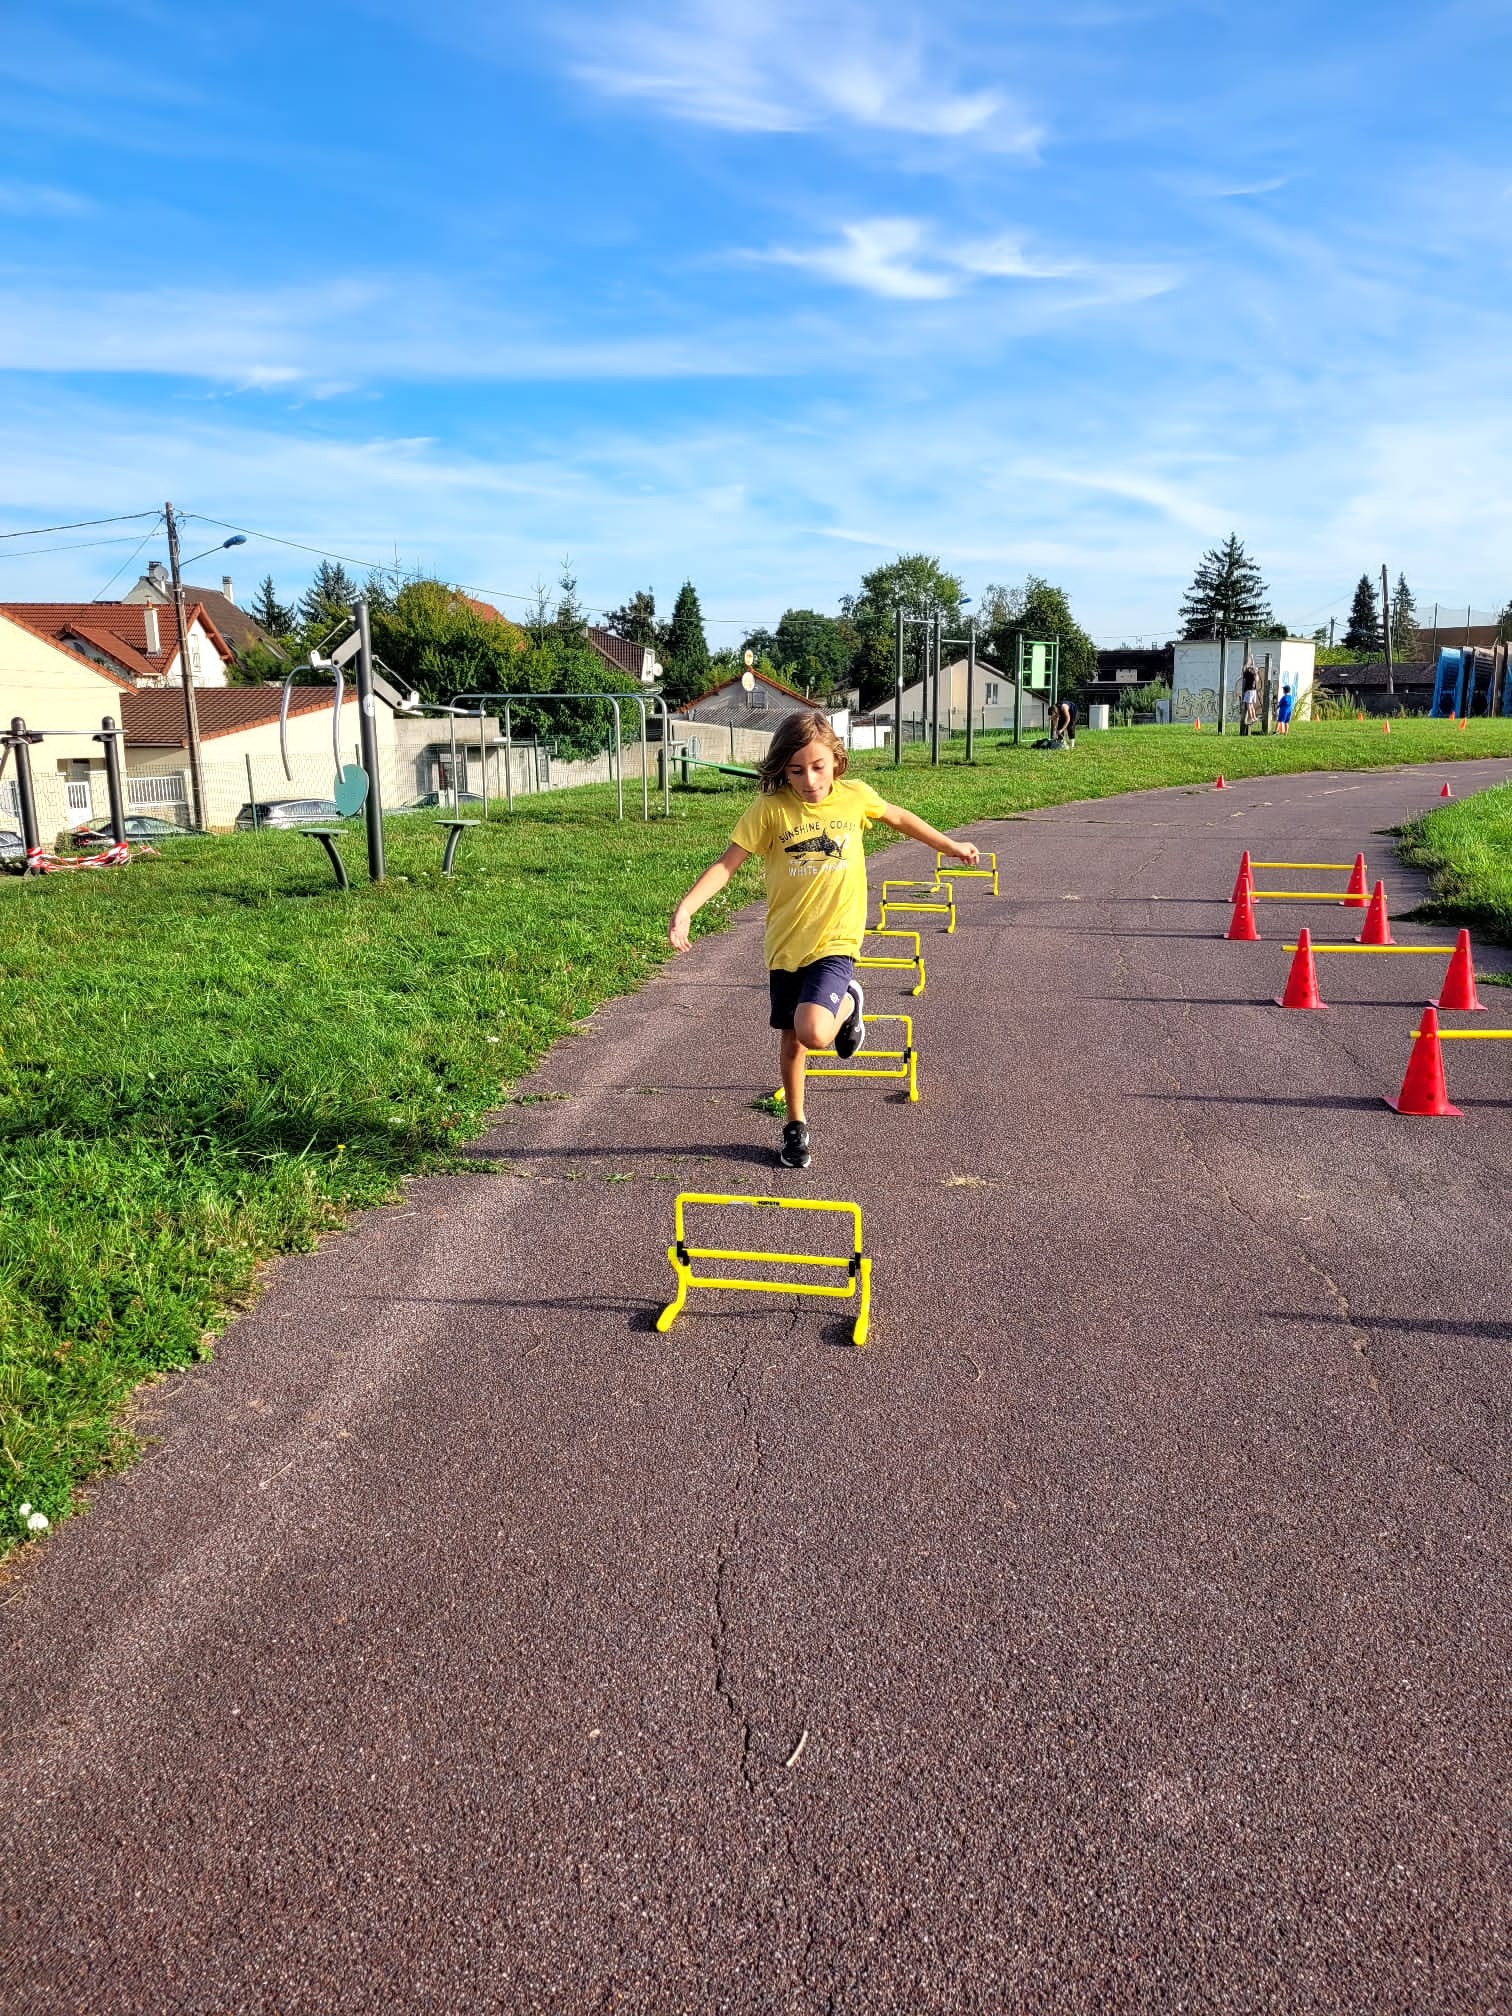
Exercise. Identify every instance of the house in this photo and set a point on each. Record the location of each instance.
(136, 641)
(240, 631)
(731, 705)
(992, 700)
(631, 661)
(239, 748)
(66, 697)
(1365, 686)
(1195, 674)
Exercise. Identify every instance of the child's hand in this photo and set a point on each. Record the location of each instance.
(965, 852)
(678, 929)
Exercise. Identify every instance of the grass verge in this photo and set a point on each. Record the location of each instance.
(1466, 850)
(211, 1058)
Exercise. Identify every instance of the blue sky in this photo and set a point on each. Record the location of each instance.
(759, 295)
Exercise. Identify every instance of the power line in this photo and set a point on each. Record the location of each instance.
(80, 525)
(130, 557)
(74, 546)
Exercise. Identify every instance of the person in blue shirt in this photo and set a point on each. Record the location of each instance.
(1284, 711)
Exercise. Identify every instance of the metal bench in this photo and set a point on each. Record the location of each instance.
(327, 836)
(454, 831)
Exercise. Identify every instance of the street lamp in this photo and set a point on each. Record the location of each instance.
(186, 676)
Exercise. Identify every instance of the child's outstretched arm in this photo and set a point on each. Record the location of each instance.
(712, 880)
(912, 827)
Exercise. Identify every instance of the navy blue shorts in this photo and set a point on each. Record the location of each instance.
(824, 983)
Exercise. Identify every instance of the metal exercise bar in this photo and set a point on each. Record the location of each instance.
(642, 701)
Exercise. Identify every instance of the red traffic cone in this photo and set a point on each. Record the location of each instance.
(1242, 925)
(1302, 981)
(1377, 925)
(1220, 785)
(1459, 981)
(1464, 724)
(1359, 717)
(1445, 792)
(1244, 879)
(1386, 728)
(1195, 726)
(1354, 895)
(1423, 1089)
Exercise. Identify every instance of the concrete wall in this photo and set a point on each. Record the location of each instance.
(1194, 681)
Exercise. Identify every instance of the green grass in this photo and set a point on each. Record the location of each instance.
(210, 1058)
(1466, 848)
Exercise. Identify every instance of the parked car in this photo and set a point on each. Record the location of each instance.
(444, 801)
(286, 812)
(144, 828)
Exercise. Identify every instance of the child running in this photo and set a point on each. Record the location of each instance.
(807, 826)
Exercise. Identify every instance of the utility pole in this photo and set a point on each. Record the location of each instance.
(934, 633)
(898, 689)
(1386, 629)
(1330, 633)
(970, 681)
(186, 677)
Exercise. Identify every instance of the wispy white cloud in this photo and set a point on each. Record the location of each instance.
(790, 68)
(39, 199)
(904, 259)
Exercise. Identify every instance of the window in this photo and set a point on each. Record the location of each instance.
(992, 693)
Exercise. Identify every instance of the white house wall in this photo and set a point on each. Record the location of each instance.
(1194, 681)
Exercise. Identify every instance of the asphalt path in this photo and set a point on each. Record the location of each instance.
(1125, 1629)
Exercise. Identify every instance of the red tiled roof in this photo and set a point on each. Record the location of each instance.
(154, 717)
(489, 614)
(618, 651)
(117, 627)
(73, 656)
(762, 678)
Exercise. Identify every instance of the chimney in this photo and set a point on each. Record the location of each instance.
(157, 574)
(150, 622)
(226, 589)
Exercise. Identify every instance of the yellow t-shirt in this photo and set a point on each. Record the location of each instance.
(815, 871)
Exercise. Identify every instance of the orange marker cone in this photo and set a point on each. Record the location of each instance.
(1354, 895)
(1446, 792)
(1424, 1092)
(1359, 717)
(1464, 724)
(1386, 728)
(1459, 981)
(1195, 726)
(1302, 981)
(1220, 785)
(1242, 927)
(1244, 879)
(1377, 925)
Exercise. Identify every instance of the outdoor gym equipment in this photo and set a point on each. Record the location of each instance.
(915, 963)
(18, 741)
(856, 1264)
(615, 757)
(954, 872)
(905, 1062)
(355, 787)
(945, 909)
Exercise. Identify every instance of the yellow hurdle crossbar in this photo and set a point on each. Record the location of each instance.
(857, 1265)
(1350, 946)
(1471, 1035)
(969, 874)
(905, 1061)
(947, 908)
(1343, 866)
(916, 963)
(1338, 896)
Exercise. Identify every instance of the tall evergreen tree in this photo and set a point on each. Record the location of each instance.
(636, 621)
(329, 596)
(1404, 620)
(1504, 623)
(570, 622)
(276, 617)
(685, 653)
(1227, 593)
(1363, 631)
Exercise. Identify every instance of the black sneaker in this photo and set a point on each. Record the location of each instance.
(852, 1031)
(794, 1152)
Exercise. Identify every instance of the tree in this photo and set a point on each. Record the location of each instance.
(762, 643)
(1363, 631)
(1037, 610)
(276, 617)
(919, 585)
(636, 621)
(814, 651)
(329, 597)
(685, 653)
(1227, 594)
(1504, 624)
(1404, 620)
(570, 622)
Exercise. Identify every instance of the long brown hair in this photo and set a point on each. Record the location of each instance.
(794, 734)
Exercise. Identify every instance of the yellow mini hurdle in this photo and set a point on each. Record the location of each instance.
(914, 964)
(956, 871)
(856, 1264)
(945, 909)
(904, 1063)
